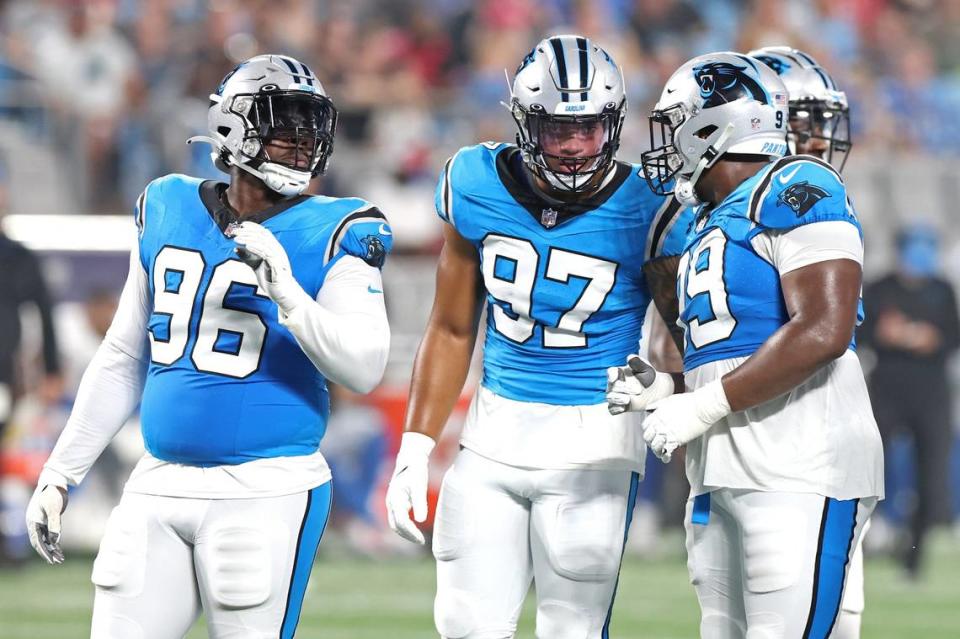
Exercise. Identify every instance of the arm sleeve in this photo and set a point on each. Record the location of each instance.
(791, 249)
(111, 386)
(345, 332)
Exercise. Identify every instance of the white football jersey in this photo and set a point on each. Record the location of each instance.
(820, 437)
(548, 436)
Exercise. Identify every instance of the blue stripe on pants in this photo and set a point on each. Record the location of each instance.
(631, 502)
(311, 530)
(700, 513)
(837, 526)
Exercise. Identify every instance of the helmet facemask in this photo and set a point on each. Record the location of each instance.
(542, 138)
(663, 162)
(822, 129)
(290, 129)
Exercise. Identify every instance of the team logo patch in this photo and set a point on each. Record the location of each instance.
(801, 197)
(776, 64)
(376, 253)
(723, 82)
(548, 217)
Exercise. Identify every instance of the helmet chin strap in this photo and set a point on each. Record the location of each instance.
(286, 182)
(684, 191)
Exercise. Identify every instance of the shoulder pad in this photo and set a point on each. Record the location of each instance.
(669, 229)
(459, 174)
(799, 190)
(159, 188)
(363, 232)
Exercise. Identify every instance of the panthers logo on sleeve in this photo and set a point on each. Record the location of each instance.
(801, 197)
(376, 252)
(722, 82)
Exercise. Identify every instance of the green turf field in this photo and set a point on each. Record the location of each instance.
(354, 599)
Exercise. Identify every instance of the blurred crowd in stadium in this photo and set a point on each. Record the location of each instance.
(98, 96)
(113, 87)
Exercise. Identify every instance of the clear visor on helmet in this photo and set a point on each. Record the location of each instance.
(821, 130)
(294, 128)
(663, 162)
(571, 148)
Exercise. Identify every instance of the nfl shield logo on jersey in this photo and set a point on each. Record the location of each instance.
(548, 217)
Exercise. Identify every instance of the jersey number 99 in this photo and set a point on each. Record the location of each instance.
(704, 304)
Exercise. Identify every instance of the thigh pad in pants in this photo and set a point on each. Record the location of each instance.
(773, 538)
(584, 537)
(121, 562)
(238, 564)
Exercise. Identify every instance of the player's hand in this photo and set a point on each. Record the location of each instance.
(259, 249)
(635, 386)
(679, 419)
(408, 486)
(43, 521)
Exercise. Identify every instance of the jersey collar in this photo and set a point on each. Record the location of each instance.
(211, 194)
(516, 179)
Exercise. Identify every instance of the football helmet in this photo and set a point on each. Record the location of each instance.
(713, 104)
(272, 99)
(819, 111)
(568, 101)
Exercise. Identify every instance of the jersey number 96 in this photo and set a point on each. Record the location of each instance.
(246, 329)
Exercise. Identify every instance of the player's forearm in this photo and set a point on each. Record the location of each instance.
(661, 277)
(439, 372)
(109, 393)
(787, 359)
(664, 354)
(350, 349)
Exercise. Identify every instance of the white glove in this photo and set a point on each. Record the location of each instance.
(635, 386)
(260, 250)
(679, 419)
(408, 486)
(43, 519)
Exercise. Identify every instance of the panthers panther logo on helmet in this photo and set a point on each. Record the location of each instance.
(723, 82)
(777, 64)
(527, 59)
(801, 197)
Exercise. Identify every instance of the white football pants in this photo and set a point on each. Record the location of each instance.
(246, 562)
(854, 600)
(499, 527)
(770, 565)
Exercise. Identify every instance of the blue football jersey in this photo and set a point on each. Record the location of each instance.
(730, 297)
(226, 382)
(565, 293)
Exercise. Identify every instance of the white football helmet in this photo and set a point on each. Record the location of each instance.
(818, 109)
(265, 99)
(568, 86)
(715, 104)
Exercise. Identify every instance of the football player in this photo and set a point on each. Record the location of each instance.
(241, 300)
(549, 236)
(820, 126)
(783, 455)
(819, 110)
